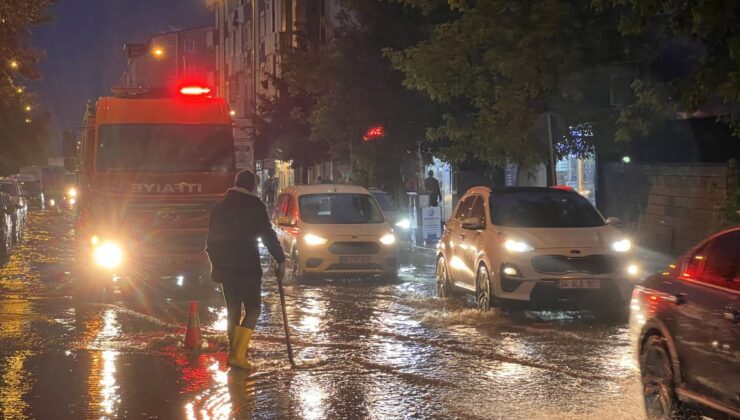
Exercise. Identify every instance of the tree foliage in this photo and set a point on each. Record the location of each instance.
(500, 64)
(706, 34)
(332, 94)
(23, 134)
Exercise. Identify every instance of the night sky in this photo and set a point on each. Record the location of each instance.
(84, 48)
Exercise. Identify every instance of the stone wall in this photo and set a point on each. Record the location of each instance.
(669, 207)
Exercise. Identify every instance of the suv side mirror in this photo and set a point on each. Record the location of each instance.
(473, 223)
(615, 221)
(285, 221)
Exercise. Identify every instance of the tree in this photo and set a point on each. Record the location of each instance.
(23, 129)
(705, 35)
(500, 64)
(338, 90)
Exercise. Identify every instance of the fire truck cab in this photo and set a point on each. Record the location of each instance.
(151, 168)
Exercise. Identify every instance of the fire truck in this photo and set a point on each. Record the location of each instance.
(152, 164)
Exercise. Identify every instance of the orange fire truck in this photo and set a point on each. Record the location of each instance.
(152, 165)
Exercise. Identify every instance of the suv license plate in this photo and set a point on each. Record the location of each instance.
(579, 284)
(355, 260)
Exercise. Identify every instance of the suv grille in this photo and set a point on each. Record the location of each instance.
(560, 264)
(354, 248)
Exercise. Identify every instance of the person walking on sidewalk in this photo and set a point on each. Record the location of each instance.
(236, 224)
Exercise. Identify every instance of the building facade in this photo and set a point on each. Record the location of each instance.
(250, 38)
(171, 58)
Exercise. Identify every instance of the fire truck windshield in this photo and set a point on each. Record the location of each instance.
(165, 148)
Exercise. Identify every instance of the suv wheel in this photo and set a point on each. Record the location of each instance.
(657, 379)
(443, 279)
(483, 289)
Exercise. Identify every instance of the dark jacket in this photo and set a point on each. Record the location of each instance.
(236, 223)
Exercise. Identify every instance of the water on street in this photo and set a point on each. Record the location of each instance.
(364, 349)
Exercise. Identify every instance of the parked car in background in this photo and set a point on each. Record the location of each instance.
(334, 230)
(397, 218)
(540, 248)
(10, 187)
(6, 225)
(31, 189)
(685, 329)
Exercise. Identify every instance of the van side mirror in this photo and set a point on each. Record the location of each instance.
(285, 221)
(473, 223)
(615, 221)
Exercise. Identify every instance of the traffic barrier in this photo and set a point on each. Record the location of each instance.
(192, 333)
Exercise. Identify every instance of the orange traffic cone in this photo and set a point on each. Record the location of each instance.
(192, 333)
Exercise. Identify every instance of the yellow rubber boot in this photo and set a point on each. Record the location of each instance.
(238, 351)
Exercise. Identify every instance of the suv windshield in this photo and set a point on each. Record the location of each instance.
(543, 209)
(165, 148)
(385, 201)
(339, 208)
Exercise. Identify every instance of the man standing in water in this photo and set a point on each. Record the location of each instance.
(237, 224)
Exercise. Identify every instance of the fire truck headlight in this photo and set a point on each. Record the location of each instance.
(108, 255)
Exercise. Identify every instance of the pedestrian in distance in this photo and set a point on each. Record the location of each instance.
(237, 223)
(432, 186)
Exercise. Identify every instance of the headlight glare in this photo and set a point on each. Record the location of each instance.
(404, 224)
(388, 239)
(108, 255)
(312, 239)
(517, 246)
(72, 192)
(623, 245)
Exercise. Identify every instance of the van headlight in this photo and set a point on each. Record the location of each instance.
(517, 246)
(108, 255)
(404, 224)
(388, 239)
(314, 240)
(623, 245)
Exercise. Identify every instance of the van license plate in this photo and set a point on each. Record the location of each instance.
(580, 284)
(355, 260)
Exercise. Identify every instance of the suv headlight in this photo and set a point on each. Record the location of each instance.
(388, 239)
(517, 246)
(623, 245)
(312, 239)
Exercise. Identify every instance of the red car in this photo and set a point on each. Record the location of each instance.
(685, 326)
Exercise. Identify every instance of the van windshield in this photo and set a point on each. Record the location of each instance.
(165, 148)
(385, 201)
(339, 208)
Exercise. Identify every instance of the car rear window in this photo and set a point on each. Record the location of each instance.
(543, 209)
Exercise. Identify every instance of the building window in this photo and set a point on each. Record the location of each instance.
(189, 45)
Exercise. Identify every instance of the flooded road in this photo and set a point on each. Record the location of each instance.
(364, 349)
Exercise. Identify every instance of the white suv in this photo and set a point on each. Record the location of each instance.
(542, 247)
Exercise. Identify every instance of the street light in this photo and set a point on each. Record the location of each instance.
(158, 52)
(19, 89)
(28, 121)
(14, 64)
(28, 108)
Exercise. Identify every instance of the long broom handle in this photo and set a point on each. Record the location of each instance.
(285, 323)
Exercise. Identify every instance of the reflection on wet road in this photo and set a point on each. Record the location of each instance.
(364, 349)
